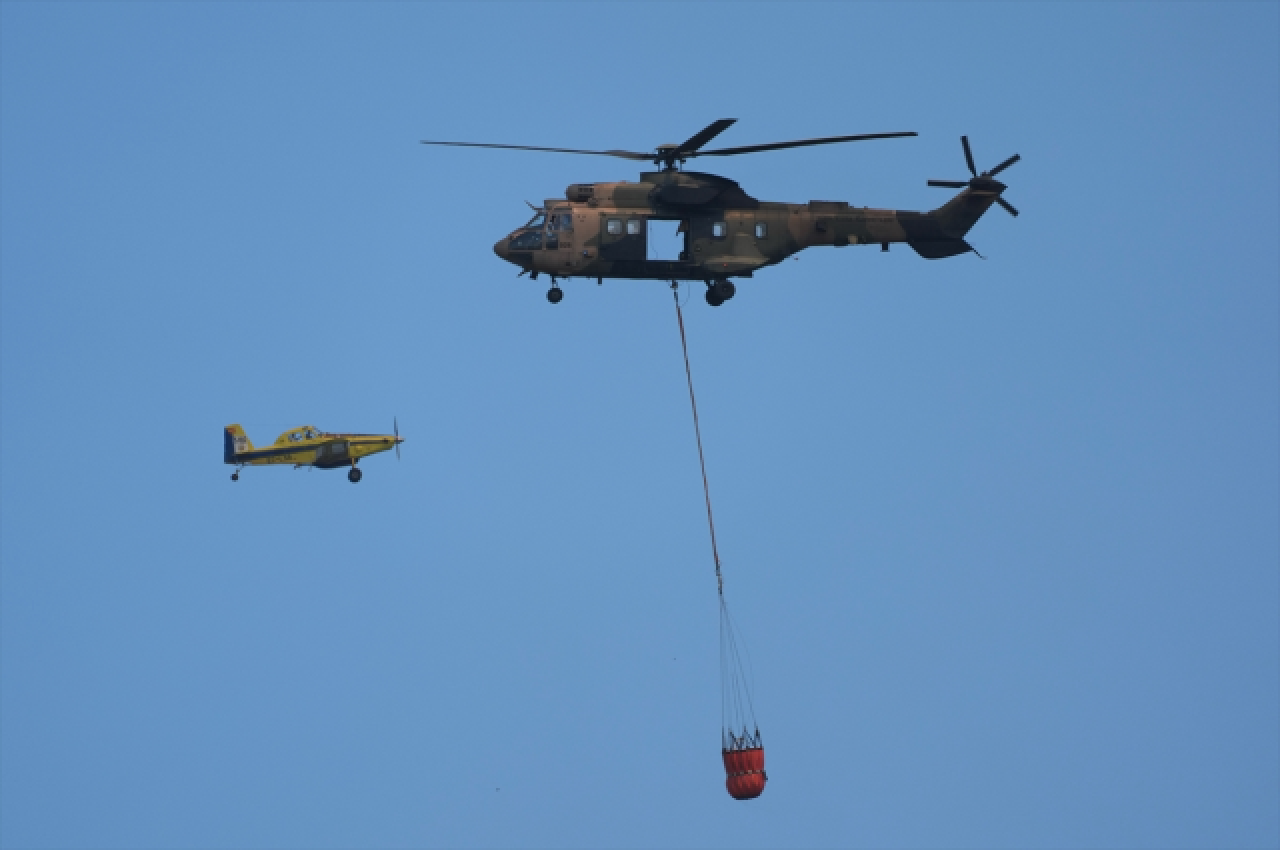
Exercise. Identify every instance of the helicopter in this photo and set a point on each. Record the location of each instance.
(611, 230)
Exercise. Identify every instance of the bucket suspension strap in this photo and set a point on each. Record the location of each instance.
(706, 490)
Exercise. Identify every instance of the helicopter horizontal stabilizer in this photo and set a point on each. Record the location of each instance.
(939, 249)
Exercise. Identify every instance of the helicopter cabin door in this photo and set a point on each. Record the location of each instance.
(561, 258)
(622, 242)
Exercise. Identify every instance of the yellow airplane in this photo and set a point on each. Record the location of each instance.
(307, 446)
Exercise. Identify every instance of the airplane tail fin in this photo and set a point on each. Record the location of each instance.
(234, 441)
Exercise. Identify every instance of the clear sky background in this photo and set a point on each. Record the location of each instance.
(1002, 536)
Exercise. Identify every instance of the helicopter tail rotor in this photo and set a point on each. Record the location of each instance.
(984, 183)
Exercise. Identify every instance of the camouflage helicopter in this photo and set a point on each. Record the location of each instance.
(714, 231)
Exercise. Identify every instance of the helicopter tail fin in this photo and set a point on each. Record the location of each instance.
(958, 216)
(234, 441)
(940, 233)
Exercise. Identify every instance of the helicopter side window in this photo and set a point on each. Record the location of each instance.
(634, 226)
(613, 226)
(537, 221)
(562, 221)
(717, 230)
(762, 230)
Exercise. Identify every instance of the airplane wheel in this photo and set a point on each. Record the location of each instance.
(354, 475)
(713, 297)
(554, 294)
(235, 476)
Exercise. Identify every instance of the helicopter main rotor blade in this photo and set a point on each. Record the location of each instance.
(710, 132)
(622, 154)
(968, 155)
(799, 144)
(1002, 166)
(1008, 207)
(949, 184)
(395, 424)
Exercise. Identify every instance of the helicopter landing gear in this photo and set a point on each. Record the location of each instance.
(720, 292)
(355, 474)
(555, 293)
(235, 476)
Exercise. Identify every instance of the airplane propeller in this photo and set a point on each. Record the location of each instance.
(981, 182)
(668, 155)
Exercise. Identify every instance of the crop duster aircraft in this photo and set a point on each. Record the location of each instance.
(605, 230)
(307, 446)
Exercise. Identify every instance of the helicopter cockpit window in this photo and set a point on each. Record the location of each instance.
(537, 221)
(614, 226)
(530, 240)
(634, 226)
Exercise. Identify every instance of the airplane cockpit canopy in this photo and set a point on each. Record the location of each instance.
(298, 435)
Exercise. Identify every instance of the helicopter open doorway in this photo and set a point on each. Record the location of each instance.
(666, 238)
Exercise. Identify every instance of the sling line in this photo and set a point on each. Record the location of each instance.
(706, 490)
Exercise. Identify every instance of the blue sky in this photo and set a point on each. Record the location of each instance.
(1002, 536)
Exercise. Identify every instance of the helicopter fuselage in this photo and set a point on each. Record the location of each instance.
(600, 230)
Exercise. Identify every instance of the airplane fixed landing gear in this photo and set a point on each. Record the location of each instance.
(355, 474)
(720, 292)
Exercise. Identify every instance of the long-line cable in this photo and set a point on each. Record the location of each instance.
(697, 431)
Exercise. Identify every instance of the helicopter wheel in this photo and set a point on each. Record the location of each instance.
(554, 294)
(235, 476)
(354, 475)
(720, 292)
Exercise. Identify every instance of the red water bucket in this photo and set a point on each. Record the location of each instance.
(744, 769)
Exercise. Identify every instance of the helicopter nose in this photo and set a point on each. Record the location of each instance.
(500, 248)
